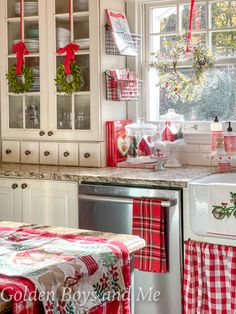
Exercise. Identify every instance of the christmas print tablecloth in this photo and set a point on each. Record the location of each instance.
(68, 273)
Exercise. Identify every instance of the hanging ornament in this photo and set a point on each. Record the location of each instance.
(20, 78)
(68, 76)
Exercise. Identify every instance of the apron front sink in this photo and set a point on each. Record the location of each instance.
(213, 205)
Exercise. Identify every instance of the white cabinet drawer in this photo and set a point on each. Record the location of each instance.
(49, 153)
(91, 154)
(68, 154)
(11, 151)
(30, 152)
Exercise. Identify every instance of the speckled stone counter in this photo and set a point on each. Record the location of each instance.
(172, 177)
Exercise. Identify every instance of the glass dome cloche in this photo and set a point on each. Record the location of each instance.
(142, 137)
(171, 133)
(171, 127)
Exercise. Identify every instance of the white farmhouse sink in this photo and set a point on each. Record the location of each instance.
(223, 178)
(215, 187)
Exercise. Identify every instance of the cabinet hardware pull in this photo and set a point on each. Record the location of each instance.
(50, 133)
(66, 154)
(86, 155)
(14, 186)
(8, 151)
(46, 153)
(23, 186)
(41, 133)
(27, 152)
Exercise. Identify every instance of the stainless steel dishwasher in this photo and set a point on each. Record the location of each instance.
(109, 208)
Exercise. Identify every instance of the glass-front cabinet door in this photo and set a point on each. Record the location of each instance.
(25, 111)
(75, 116)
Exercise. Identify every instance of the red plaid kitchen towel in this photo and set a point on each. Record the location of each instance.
(149, 224)
(209, 285)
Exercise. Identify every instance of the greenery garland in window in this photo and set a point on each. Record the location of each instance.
(69, 83)
(19, 85)
(176, 83)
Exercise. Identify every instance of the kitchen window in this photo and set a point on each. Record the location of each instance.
(214, 22)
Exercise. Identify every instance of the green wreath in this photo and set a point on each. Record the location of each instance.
(64, 84)
(16, 85)
(176, 84)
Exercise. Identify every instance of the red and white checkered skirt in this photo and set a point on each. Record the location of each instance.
(209, 285)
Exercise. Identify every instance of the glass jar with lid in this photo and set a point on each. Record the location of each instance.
(142, 137)
(171, 126)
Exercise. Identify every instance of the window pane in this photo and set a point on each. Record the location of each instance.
(223, 14)
(162, 43)
(199, 38)
(164, 20)
(216, 98)
(199, 17)
(224, 43)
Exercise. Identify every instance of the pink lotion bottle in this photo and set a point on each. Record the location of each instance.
(216, 132)
(230, 141)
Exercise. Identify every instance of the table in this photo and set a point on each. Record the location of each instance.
(133, 243)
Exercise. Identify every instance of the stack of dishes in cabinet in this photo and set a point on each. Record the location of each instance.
(63, 37)
(30, 8)
(32, 44)
(84, 43)
(81, 5)
(36, 84)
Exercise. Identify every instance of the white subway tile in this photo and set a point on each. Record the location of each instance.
(191, 148)
(205, 148)
(198, 159)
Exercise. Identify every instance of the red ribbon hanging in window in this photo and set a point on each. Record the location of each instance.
(20, 49)
(71, 48)
(189, 36)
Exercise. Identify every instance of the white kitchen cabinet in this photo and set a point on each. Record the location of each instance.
(44, 114)
(50, 203)
(39, 201)
(11, 151)
(10, 200)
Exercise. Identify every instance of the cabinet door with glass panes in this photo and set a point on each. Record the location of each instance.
(75, 116)
(23, 115)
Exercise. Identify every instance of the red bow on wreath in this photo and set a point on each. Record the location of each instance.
(20, 50)
(70, 50)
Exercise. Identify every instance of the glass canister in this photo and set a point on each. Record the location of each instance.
(171, 127)
(142, 138)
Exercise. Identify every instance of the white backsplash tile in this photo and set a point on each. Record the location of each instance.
(198, 159)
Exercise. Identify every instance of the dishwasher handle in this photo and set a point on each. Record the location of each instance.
(164, 203)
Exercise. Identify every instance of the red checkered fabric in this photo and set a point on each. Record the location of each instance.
(149, 224)
(209, 285)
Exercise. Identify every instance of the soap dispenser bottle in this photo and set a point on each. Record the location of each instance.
(216, 132)
(230, 140)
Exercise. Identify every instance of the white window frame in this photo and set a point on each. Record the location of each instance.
(200, 128)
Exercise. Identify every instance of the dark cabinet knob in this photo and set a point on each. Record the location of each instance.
(46, 153)
(27, 152)
(8, 151)
(50, 133)
(14, 186)
(66, 154)
(41, 133)
(86, 155)
(24, 186)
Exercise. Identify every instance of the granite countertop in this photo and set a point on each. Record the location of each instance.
(170, 177)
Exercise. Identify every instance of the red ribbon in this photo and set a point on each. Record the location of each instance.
(190, 26)
(69, 50)
(20, 50)
(117, 15)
